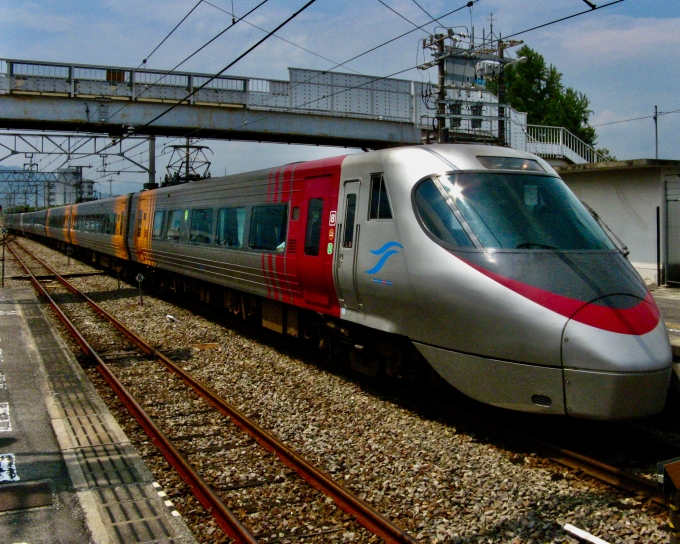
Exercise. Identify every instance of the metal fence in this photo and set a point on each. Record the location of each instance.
(673, 229)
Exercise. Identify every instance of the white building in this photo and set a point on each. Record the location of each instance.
(628, 195)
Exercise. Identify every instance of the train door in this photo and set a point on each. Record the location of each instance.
(316, 255)
(348, 241)
(70, 225)
(143, 227)
(120, 209)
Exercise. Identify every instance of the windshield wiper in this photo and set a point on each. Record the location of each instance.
(617, 241)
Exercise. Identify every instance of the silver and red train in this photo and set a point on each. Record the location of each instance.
(477, 259)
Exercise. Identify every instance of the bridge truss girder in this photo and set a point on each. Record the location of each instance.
(18, 112)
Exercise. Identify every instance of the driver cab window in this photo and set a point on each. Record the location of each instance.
(380, 203)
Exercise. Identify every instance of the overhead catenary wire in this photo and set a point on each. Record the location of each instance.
(659, 114)
(378, 78)
(468, 4)
(171, 32)
(394, 73)
(422, 9)
(564, 18)
(167, 73)
(402, 16)
(237, 59)
(212, 78)
(275, 36)
(145, 60)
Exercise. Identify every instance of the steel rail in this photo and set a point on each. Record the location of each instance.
(366, 515)
(227, 521)
(603, 472)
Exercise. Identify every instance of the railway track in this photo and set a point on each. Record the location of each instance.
(610, 474)
(489, 429)
(198, 410)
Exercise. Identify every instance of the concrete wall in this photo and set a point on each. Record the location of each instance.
(626, 196)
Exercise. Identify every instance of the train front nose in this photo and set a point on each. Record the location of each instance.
(616, 359)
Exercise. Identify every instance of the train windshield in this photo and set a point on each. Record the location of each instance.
(520, 211)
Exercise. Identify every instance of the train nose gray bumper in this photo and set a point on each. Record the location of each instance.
(609, 395)
(616, 375)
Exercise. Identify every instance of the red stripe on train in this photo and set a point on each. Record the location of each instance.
(640, 319)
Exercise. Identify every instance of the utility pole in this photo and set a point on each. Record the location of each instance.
(442, 131)
(656, 133)
(186, 170)
(501, 93)
(152, 161)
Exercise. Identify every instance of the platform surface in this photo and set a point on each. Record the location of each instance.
(68, 473)
(668, 301)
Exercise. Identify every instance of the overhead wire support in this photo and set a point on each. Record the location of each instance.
(378, 78)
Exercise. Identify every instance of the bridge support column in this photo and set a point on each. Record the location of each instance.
(152, 162)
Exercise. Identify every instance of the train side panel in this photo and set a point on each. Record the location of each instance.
(93, 226)
(247, 232)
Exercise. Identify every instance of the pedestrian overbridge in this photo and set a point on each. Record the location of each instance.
(312, 107)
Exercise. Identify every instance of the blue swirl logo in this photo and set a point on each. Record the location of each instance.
(386, 251)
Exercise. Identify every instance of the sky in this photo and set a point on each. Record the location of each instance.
(624, 57)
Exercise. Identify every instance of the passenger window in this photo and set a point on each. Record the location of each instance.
(201, 226)
(158, 225)
(350, 212)
(175, 225)
(380, 203)
(313, 234)
(230, 226)
(268, 228)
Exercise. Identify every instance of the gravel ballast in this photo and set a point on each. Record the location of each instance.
(439, 483)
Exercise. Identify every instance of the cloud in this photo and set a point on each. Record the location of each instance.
(619, 39)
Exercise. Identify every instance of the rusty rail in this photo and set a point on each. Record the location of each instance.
(203, 492)
(343, 498)
(603, 472)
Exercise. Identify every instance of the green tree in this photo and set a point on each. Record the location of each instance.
(537, 89)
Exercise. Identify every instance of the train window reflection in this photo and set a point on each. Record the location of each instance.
(438, 217)
(519, 211)
(230, 226)
(201, 226)
(313, 233)
(268, 228)
(158, 225)
(380, 203)
(175, 225)
(350, 213)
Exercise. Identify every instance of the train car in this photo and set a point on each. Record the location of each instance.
(99, 226)
(58, 225)
(476, 259)
(13, 222)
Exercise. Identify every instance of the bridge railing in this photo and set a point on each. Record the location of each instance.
(473, 113)
(558, 142)
(308, 91)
